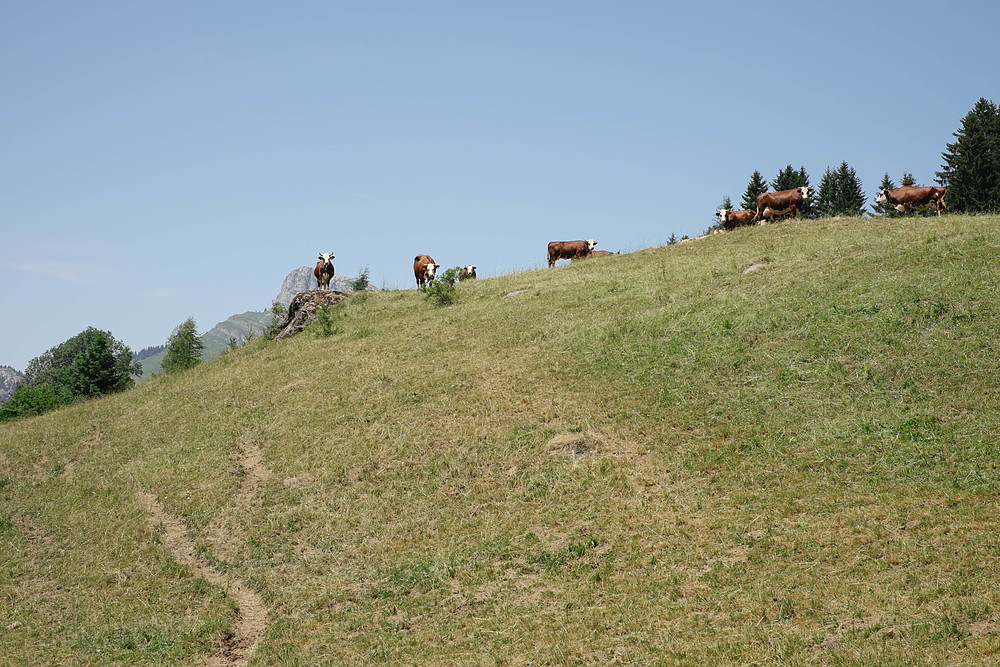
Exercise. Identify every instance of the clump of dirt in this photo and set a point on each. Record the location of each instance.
(573, 445)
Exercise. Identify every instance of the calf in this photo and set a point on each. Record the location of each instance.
(423, 269)
(467, 273)
(913, 198)
(732, 219)
(570, 249)
(770, 204)
(324, 270)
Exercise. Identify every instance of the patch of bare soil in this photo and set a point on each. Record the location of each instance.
(573, 445)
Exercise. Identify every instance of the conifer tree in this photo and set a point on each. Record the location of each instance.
(886, 209)
(850, 199)
(971, 168)
(907, 179)
(827, 194)
(788, 179)
(756, 186)
(184, 348)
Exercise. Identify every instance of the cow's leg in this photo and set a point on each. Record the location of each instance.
(906, 208)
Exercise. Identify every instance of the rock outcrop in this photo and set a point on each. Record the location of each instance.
(303, 280)
(302, 310)
(8, 381)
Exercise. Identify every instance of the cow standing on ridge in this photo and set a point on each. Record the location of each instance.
(468, 272)
(732, 219)
(424, 269)
(324, 270)
(770, 204)
(570, 249)
(913, 198)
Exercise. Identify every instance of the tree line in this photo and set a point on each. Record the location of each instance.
(971, 172)
(91, 363)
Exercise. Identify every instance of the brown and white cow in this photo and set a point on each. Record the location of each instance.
(324, 270)
(913, 198)
(468, 272)
(423, 269)
(570, 249)
(603, 253)
(733, 219)
(770, 204)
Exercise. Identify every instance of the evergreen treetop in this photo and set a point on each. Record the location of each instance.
(971, 168)
(756, 186)
(184, 348)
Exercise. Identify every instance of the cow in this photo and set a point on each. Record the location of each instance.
(423, 269)
(733, 219)
(324, 270)
(570, 249)
(770, 204)
(602, 253)
(913, 198)
(467, 273)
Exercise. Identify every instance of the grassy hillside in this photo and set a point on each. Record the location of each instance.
(657, 458)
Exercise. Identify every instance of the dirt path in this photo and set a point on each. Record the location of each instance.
(251, 616)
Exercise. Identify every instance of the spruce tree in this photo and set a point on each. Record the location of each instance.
(971, 168)
(789, 179)
(850, 199)
(826, 195)
(184, 348)
(886, 209)
(907, 179)
(756, 186)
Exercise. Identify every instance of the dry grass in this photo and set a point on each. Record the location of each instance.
(657, 458)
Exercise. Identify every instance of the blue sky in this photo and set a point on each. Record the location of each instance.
(166, 160)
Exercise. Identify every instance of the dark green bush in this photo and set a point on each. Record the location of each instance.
(28, 400)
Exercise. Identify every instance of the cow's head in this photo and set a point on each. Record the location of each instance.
(326, 256)
(723, 215)
(807, 191)
(591, 244)
(470, 269)
(431, 269)
(882, 197)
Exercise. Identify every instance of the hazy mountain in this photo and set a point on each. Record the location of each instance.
(241, 327)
